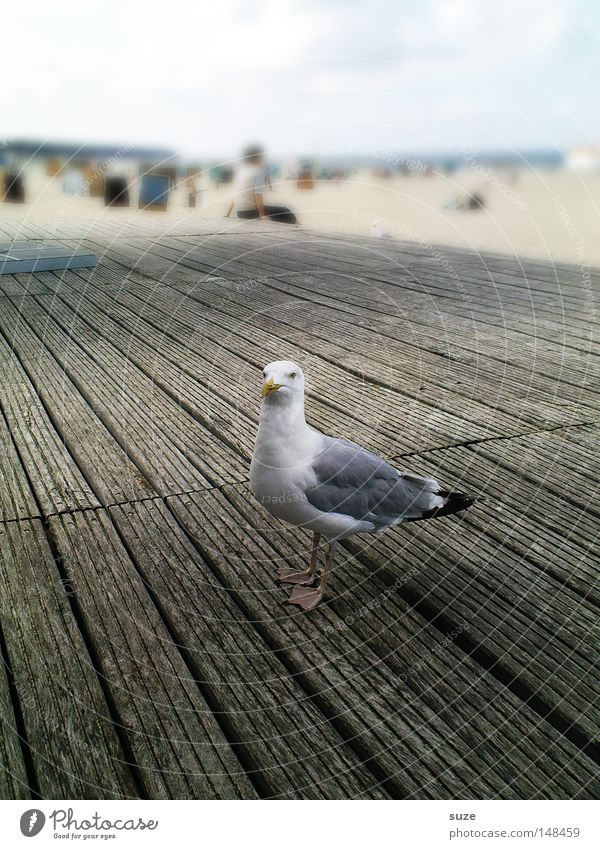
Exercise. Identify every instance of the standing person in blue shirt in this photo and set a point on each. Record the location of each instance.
(251, 183)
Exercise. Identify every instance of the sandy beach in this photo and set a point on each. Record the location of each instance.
(550, 214)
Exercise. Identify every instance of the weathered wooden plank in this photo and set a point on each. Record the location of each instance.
(293, 750)
(431, 327)
(361, 296)
(173, 367)
(96, 453)
(560, 538)
(208, 394)
(141, 260)
(173, 451)
(56, 479)
(447, 384)
(253, 290)
(216, 353)
(515, 270)
(434, 280)
(175, 741)
(471, 298)
(526, 622)
(289, 251)
(525, 388)
(16, 498)
(9, 285)
(298, 324)
(329, 388)
(486, 290)
(566, 471)
(484, 267)
(249, 259)
(528, 403)
(14, 781)
(526, 393)
(75, 750)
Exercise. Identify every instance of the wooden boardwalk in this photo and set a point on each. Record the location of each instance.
(147, 648)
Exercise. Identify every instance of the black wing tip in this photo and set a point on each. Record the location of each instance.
(455, 502)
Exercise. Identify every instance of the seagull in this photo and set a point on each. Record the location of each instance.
(329, 485)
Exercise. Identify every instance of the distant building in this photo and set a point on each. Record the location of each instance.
(80, 169)
(584, 157)
(57, 155)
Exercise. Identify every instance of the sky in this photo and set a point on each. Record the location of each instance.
(303, 76)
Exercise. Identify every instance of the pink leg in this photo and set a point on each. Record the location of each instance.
(309, 597)
(293, 576)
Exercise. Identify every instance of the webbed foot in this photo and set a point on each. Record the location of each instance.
(306, 597)
(293, 576)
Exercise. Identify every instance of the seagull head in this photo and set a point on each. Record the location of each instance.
(283, 382)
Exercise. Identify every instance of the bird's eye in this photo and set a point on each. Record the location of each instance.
(293, 375)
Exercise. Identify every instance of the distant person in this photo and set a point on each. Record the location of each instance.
(467, 202)
(476, 201)
(251, 184)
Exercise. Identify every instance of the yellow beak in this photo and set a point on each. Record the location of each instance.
(270, 386)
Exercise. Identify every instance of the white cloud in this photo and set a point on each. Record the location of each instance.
(209, 77)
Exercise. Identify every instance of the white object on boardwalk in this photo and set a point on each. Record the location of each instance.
(377, 232)
(330, 486)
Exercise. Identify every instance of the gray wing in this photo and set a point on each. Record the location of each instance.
(357, 483)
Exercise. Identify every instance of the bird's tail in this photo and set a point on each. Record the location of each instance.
(454, 502)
